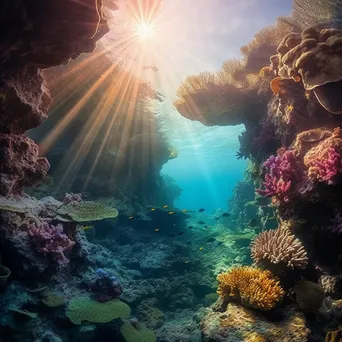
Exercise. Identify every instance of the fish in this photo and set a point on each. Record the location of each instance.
(87, 227)
(252, 222)
(157, 230)
(165, 206)
(186, 261)
(171, 212)
(191, 227)
(201, 222)
(153, 209)
(184, 210)
(130, 218)
(180, 233)
(201, 248)
(211, 239)
(225, 215)
(201, 210)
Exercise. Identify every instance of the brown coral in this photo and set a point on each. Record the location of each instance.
(245, 325)
(20, 164)
(309, 295)
(315, 57)
(279, 247)
(252, 287)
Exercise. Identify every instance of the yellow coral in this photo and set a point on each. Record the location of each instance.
(251, 286)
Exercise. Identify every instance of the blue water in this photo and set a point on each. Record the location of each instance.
(206, 168)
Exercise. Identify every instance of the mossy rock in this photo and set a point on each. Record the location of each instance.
(85, 212)
(139, 334)
(85, 309)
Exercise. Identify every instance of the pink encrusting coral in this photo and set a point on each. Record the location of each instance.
(50, 240)
(327, 167)
(282, 171)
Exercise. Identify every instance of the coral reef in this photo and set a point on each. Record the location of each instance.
(238, 323)
(279, 247)
(250, 286)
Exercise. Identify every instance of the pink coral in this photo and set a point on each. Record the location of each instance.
(282, 173)
(336, 224)
(50, 240)
(327, 167)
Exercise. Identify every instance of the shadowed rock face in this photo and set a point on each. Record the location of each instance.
(38, 34)
(220, 105)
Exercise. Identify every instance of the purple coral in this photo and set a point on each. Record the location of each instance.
(282, 173)
(336, 224)
(50, 240)
(72, 198)
(326, 168)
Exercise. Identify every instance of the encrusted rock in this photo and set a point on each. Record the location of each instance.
(20, 164)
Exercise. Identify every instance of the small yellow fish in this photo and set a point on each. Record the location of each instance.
(171, 212)
(290, 108)
(87, 227)
(153, 209)
(201, 248)
(130, 218)
(184, 210)
(157, 230)
(165, 206)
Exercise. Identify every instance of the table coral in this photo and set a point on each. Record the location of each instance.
(252, 287)
(279, 247)
(85, 211)
(82, 309)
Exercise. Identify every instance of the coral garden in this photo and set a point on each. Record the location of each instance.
(74, 265)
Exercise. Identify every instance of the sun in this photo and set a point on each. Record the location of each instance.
(145, 30)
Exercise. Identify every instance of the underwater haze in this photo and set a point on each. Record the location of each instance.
(171, 171)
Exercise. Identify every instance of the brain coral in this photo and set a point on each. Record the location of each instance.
(252, 287)
(279, 247)
(81, 309)
(85, 211)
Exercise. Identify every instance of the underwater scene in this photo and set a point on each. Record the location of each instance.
(171, 171)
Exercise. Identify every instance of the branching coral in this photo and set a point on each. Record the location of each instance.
(327, 167)
(252, 287)
(282, 172)
(50, 240)
(279, 247)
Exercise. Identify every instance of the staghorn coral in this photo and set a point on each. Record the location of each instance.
(279, 247)
(252, 287)
(282, 172)
(314, 56)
